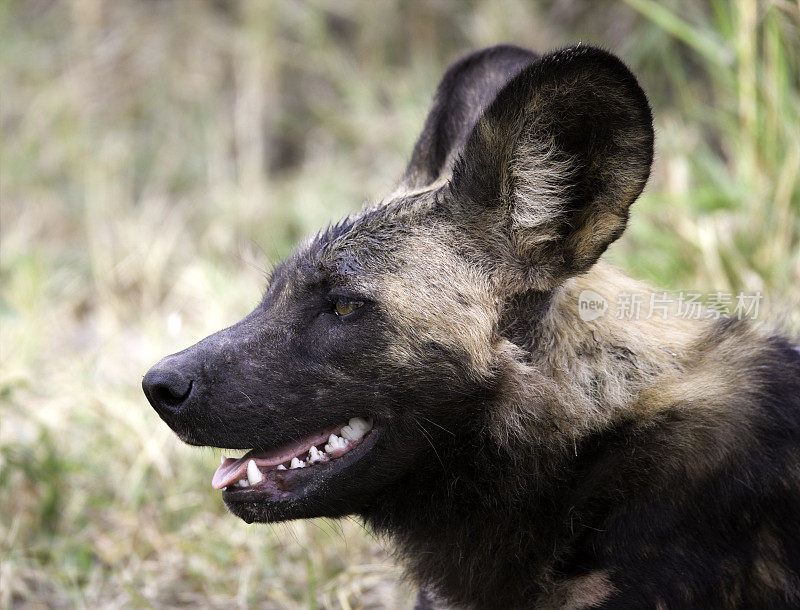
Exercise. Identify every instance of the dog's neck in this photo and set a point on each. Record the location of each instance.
(567, 388)
(577, 373)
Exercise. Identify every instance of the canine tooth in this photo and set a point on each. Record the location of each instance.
(296, 464)
(222, 459)
(253, 473)
(281, 467)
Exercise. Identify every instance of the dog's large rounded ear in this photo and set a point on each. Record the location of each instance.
(547, 175)
(466, 89)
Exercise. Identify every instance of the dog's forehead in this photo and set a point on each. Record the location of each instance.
(369, 242)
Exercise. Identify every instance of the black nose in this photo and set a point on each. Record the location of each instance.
(167, 389)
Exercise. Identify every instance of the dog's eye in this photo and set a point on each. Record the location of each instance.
(344, 307)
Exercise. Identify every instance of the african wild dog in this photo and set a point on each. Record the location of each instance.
(518, 455)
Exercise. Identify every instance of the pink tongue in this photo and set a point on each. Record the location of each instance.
(231, 470)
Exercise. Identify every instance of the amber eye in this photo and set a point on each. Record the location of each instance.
(345, 307)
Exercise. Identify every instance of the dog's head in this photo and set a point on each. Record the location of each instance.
(385, 332)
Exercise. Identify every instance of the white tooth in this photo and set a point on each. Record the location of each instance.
(253, 473)
(357, 422)
(353, 433)
(356, 428)
(360, 422)
(333, 443)
(314, 455)
(222, 459)
(241, 483)
(281, 467)
(296, 464)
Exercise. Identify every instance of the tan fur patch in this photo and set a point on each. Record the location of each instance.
(437, 297)
(770, 567)
(584, 592)
(592, 372)
(586, 374)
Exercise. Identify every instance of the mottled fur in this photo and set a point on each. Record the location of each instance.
(524, 457)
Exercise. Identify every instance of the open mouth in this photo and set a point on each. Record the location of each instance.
(266, 471)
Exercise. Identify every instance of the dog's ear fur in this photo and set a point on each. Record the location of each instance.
(547, 175)
(466, 89)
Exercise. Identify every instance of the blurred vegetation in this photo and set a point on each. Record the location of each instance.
(158, 157)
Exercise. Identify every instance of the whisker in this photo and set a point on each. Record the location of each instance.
(427, 437)
(442, 428)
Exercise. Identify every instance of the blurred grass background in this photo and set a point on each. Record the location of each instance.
(158, 156)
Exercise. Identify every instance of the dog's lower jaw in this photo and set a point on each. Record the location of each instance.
(335, 488)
